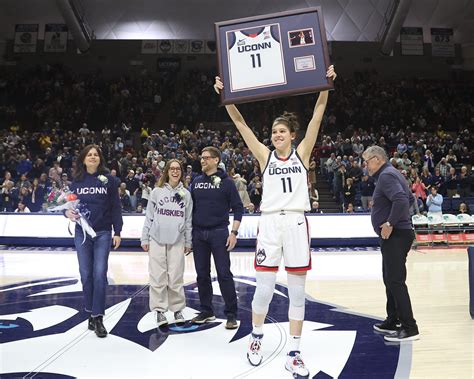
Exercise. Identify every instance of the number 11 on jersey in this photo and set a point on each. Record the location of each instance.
(256, 62)
(289, 189)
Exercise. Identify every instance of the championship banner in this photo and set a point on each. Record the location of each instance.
(411, 40)
(149, 46)
(26, 38)
(165, 46)
(197, 46)
(55, 38)
(210, 47)
(442, 42)
(181, 46)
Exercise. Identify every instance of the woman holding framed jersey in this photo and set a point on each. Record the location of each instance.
(283, 229)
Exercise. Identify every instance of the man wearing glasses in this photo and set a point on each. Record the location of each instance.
(391, 221)
(214, 194)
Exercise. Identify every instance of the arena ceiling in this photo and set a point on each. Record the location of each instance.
(345, 20)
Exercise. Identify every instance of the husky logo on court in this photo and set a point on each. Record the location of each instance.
(43, 329)
(260, 256)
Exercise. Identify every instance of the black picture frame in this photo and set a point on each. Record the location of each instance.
(274, 55)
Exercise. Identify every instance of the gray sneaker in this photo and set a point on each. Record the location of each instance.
(179, 318)
(161, 319)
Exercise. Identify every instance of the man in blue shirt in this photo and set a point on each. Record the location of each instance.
(214, 194)
(391, 221)
(434, 202)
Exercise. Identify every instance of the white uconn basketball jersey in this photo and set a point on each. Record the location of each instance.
(255, 60)
(285, 184)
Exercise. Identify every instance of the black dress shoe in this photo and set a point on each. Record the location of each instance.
(91, 323)
(100, 330)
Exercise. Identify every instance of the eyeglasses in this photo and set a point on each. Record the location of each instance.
(175, 169)
(206, 158)
(367, 160)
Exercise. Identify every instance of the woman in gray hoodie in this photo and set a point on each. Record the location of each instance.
(166, 236)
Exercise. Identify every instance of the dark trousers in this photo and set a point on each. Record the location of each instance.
(394, 256)
(205, 243)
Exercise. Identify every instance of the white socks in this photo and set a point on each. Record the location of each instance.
(294, 343)
(258, 330)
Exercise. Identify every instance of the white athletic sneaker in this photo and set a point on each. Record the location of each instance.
(253, 354)
(295, 365)
(179, 318)
(161, 319)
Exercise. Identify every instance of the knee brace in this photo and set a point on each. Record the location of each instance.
(296, 293)
(264, 291)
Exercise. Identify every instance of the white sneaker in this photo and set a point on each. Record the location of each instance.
(253, 354)
(179, 318)
(295, 365)
(161, 319)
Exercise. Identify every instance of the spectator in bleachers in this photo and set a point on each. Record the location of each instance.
(255, 190)
(434, 201)
(250, 209)
(23, 182)
(350, 208)
(132, 186)
(451, 158)
(444, 167)
(313, 194)
(187, 181)
(419, 189)
(426, 178)
(415, 206)
(428, 161)
(312, 173)
(464, 209)
(452, 183)
(315, 207)
(339, 181)
(465, 158)
(402, 148)
(355, 173)
(416, 161)
(405, 162)
(366, 190)
(124, 195)
(436, 179)
(6, 178)
(24, 165)
(22, 208)
(330, 167)
(349, 192)
(241, 185)
(358, 147)
(9, 197)
(464, 182)
(36, 198)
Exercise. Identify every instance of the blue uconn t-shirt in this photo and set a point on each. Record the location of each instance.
(102, 200)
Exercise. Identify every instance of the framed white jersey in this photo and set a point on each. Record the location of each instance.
(285, 184)
(255, 59)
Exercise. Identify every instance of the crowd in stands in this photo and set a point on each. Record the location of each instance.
(48, 115)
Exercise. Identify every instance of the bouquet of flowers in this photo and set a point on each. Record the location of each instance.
(61, 200)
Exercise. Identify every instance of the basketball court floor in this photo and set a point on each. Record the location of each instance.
(43, 330)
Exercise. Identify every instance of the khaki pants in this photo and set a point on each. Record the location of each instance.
(166, 267)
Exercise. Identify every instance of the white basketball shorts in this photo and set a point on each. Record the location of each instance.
(283, 234)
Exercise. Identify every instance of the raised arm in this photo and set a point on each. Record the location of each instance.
(258, 149)
(305, 147)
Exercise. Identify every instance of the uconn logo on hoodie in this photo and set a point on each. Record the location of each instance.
(92, 190)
